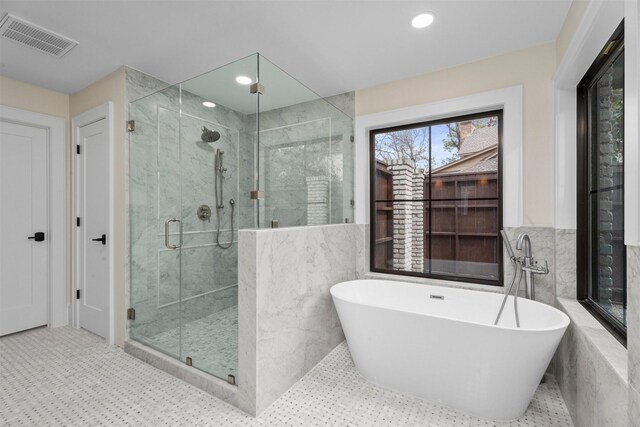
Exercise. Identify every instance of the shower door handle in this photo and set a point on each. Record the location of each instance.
(166, 233)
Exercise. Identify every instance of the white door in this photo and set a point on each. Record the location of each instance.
(23, 213)
(92, 201)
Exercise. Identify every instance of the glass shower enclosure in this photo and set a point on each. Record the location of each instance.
(243, 146)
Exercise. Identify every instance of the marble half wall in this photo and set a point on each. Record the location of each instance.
(591, 370)
(633, 330)
(599, 379)
(287, 319)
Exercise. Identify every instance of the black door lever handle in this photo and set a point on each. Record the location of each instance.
(38, 237)
(102, 239)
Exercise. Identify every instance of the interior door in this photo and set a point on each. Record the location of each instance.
(23, 227)
(93, 239)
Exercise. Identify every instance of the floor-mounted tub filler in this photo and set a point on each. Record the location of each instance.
(441, 344)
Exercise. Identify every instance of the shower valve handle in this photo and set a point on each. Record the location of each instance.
(535, 268)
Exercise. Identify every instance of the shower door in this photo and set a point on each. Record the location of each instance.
(192, 157)
(184, 267)
(155, 201)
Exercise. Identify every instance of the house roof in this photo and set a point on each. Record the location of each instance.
(470, 164)
(485, 165)
(480, 139)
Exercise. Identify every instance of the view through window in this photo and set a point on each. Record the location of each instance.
(602, 266)
(435, 198)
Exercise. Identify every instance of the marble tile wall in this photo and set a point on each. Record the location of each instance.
(596, 391)
(287, 319)
(312, 139)
(542, 249)
(633, 330)
(565, 263)
(593, 383)
(171, 174)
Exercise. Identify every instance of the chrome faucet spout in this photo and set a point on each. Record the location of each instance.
(524, 244)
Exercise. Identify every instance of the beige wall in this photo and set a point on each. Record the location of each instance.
(112, 88)
(33, 98)
(571, 22)
(24, 96)
(533, 68)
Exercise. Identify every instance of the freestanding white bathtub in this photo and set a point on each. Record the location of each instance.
(440, 343)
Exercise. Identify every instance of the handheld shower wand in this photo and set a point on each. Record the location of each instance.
(219, 187)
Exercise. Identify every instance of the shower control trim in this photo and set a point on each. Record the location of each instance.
(204, 213)
(166, 234)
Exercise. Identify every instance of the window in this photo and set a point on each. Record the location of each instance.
(436, 208)
(600, 240)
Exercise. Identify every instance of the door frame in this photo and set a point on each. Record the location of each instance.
(57, 291)
(104, 111)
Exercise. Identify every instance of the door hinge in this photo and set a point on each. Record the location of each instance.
(131, 125)
(352, 139)
(78, 222)
(256, 195)
(131, 314)
(256, 88)
(77, 148)
(77, 293)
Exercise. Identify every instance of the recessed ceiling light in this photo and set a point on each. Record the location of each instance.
(208, 104)
(243, 80)
(422, 21)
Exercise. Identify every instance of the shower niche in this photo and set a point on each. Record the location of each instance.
(200, 152)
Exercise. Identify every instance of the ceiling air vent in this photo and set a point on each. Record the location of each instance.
(33, 36)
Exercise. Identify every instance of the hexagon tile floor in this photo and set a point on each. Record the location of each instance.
(69, 377)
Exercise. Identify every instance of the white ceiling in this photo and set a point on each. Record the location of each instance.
(331, 46)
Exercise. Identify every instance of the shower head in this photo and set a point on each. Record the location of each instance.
(209, 135)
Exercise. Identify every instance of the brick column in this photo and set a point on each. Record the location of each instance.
(402, 172)
(417, 249)
(317, 200)
(608, 167)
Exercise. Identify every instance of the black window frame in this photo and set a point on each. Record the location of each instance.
(611, 51)
(372, 199)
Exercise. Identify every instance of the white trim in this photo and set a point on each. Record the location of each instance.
(56, 148)
(104, 111)
(509, 99)
(598, 23)
(632, 122)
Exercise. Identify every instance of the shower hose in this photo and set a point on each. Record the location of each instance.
(516, 276)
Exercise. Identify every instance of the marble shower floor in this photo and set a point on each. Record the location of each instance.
(211, 342)
(65, 376)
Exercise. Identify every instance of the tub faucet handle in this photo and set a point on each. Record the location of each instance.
(536, 268)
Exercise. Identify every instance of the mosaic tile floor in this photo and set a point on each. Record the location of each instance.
(64, 376)
(211, 342)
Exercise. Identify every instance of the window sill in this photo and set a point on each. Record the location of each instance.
(608, 347)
